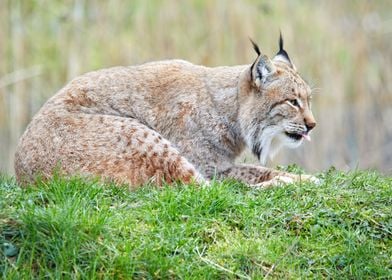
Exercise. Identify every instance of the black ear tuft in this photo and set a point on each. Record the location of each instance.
(255, 47)
(282, 52)
(280, 41)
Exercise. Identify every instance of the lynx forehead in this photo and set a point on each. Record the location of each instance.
(171, 120)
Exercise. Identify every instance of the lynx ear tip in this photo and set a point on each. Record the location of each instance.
(282, 52)
(280, 41)
(255, 46)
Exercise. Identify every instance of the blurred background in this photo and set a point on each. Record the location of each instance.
(342, 48)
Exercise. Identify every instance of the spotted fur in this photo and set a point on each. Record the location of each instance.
(170, 120)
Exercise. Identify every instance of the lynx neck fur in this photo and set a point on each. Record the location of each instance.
(171, 121)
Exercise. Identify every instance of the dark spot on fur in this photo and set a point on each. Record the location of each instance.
(186, 178)
(257, 149)
(265, 176)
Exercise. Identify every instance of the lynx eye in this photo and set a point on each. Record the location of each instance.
(294, 102)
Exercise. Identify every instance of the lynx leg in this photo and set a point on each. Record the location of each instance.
(287, 178)
(112, 147)
(259, 176)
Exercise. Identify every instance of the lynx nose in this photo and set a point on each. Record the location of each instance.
(310, 125)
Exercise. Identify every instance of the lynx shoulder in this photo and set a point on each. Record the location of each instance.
(170, 120)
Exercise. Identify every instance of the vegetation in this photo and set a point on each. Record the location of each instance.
(81, 229)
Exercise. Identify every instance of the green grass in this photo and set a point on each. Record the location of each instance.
(83, 230)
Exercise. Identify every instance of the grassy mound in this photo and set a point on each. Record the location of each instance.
(80, 229)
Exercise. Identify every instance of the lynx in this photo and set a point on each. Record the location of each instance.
(171, 121)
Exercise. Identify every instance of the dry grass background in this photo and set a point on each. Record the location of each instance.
(343, 48)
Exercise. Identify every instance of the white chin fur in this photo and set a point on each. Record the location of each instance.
(272, 147)
(281, 140)
(291, 143)
(272, 140)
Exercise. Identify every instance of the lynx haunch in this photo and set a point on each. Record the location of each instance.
(171, 120)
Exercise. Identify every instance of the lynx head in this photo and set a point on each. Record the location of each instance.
(274, 108)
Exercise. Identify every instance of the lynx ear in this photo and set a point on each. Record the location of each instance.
(262, 68)
(282, 54)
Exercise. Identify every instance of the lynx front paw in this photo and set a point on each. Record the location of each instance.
(288, 179)
(309, 178)
(276, 181)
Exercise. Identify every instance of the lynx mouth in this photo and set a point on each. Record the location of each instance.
(298, 136)
(295, 136)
